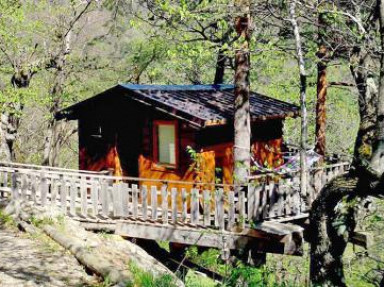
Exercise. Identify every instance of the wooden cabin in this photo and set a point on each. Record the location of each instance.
(152, 131)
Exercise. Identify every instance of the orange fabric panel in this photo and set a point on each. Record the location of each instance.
(110, 161)
(268, 153)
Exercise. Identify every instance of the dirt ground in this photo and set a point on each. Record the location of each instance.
(30, 262)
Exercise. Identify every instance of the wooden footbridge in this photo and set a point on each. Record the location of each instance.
(213, 215)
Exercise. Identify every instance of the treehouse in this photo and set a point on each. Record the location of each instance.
(169, 145)
(173, 132)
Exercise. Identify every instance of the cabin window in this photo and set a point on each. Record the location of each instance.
(165, 142)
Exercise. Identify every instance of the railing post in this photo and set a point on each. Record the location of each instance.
(5, 181)
(14, 190)
(164, 204)
(242, 216)
(43, 188)
(63, 195)
(1, 184)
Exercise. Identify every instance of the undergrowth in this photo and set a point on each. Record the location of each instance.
(147, 279)
(6, 219)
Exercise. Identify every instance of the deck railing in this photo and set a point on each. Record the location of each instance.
(102, 197)
(273, 196)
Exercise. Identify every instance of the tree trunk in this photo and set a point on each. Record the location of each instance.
(303, 96)
(331, 225)
(242, 125)
(7, 136)
(220, 67)
(10, 116)
(320, 138)
(332, 214)
(377, 161)
(52, 142)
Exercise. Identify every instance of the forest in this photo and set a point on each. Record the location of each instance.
(325, 56)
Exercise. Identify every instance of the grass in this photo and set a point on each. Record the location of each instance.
(41, 221)
(6, 219)
(147, 279)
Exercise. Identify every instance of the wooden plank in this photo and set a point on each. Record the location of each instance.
(288, 196)
(63, 195)
(144, 191)
(24, 186)
(242, 216)
(116, 199)
(194, 206)
(54, 192)
(323, 178)
(296, 204)
(272, 199)
(14, 188)
(43, 189)
(5, 180)
(104, 198)
(258, 190)
(363, 239)
(207, 207)
(184, 204)
(154, 202)
(83, 196)
(231, 210)
(135, 201)
(164, 204)
(280, 198)
(264, 190)
(251, 198)
(124, 199)
(262, 238)
(220, 208)
(73, 196)
(190, 236)
(34, 187)
(174, 204)
(2, 193)
(95, 197)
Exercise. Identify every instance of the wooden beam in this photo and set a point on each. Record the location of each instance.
(363, 239)
(268, 239)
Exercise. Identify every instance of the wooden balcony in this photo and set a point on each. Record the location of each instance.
(204, 214)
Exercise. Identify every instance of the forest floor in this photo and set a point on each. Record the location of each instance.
(27, 261)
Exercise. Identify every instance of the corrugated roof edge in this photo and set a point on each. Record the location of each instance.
(178, 87)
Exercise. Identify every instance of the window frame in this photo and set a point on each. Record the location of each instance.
(155, 141)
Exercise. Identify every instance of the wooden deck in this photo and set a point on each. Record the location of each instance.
(204, 215)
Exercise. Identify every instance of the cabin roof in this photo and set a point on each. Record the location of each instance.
(204, 105)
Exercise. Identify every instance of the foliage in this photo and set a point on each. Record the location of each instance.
(147, 279)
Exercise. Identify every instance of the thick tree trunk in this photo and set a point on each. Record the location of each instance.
(303, 104)
(377, 161)
(332, 213)
(331, 225)
(242, 122)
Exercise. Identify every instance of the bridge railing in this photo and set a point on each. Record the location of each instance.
(97, 196)
(273, 196)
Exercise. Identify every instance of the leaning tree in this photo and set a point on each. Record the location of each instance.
(333, 214)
